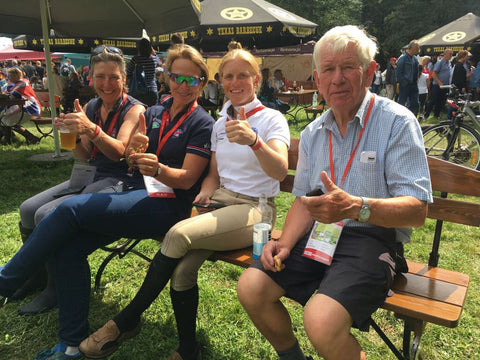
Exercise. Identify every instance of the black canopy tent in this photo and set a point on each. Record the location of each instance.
(255, 23)
(457, 35)
(75, 44)
(92, 18)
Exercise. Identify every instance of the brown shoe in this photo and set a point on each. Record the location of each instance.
(106, 340)
(176, 356)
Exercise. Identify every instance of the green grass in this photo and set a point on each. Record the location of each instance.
(223, 327)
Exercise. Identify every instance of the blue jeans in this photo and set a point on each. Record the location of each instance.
(409, 94)
(76, 228)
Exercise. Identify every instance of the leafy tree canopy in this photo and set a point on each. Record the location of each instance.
(393, 22)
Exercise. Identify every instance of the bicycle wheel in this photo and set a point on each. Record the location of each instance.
(457, 144)
(11, 115)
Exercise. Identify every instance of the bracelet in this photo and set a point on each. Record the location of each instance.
(254, 141)
(258, 145)
(96, 133)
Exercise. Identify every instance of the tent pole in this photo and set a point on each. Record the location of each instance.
(48, 66)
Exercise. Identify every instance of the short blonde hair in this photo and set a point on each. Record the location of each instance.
(242, 55)
(15, 73)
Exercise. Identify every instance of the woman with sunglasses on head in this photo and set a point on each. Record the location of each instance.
(103, 128)
(249, 158)
(172, 158)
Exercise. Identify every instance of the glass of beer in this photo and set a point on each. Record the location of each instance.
(67, 139)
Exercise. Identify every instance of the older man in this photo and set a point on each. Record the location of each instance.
(407, 76)
(441, 75)
(366, 154)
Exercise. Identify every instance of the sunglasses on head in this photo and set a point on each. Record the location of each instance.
(109, 49)
(190, 80)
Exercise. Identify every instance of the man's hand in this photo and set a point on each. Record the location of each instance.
(272, 252)
(334, 205)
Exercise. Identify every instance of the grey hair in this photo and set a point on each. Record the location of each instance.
(338, 38)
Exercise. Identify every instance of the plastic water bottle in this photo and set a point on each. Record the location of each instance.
(315, 100)
(301, 89)
(262, 230)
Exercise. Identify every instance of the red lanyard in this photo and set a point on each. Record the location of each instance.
(254, 111)
(112, 124)
(165, 120)
(347, 168)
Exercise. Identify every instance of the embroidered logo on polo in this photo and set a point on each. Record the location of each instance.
(156, 123)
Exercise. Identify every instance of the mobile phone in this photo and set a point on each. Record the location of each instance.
(316, 192)
(211, 205)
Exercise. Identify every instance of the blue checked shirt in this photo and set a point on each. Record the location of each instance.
(390, 160)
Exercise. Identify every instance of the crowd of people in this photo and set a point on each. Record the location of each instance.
(417, 82)
(154, 157)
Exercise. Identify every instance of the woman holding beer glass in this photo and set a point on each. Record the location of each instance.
(249, 158)
(99, 134)
(172, 158)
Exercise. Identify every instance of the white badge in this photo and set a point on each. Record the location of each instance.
(156, 188)
(323, 241)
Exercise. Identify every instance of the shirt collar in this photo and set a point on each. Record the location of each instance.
(328, 121)
(250, 106)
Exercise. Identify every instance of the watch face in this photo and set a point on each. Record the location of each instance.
(364, 214)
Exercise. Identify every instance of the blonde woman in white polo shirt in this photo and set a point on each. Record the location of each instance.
(249, 159)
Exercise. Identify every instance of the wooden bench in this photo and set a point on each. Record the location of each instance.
(427, 293)
(40, 121)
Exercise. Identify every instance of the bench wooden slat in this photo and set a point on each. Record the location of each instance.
(437, 312)
(452, 178)
(433, 289)
(460, 212)
(430, 272)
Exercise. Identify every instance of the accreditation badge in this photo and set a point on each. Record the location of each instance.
(323, 241)
(156, 188)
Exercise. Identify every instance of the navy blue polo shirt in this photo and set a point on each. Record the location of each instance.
(192, 136)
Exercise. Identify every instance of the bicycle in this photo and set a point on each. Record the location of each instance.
(11, 115)
(455, 140)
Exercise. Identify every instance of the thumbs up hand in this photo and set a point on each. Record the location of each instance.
(334, 205)
(138, 144)
(77, 122)
(239, 131)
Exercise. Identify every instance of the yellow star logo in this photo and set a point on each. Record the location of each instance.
(210, 31)
(96, 42)
(284, 29)
(193, 33)
(34, 42)
(269, 29)
(80, 41)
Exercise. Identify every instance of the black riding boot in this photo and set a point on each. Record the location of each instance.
(36, 281)
(185, 305)
(47, 299)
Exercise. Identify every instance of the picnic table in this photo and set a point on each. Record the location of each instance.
(298, 101)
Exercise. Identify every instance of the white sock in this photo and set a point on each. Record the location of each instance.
(71, 350)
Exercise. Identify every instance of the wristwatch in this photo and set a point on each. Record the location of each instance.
(159, 171)
(365, 211)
